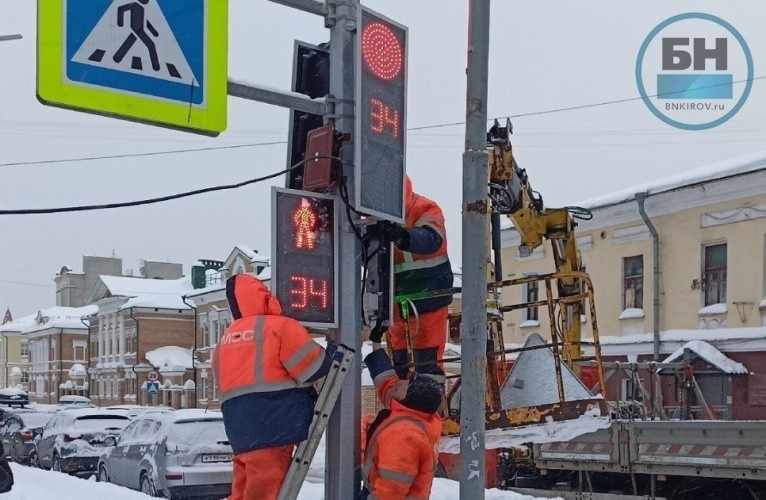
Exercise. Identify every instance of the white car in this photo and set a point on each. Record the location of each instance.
(184, 453)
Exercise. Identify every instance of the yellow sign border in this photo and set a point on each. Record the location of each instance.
(54, 90)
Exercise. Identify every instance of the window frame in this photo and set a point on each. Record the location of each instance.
(531, 293)
(633, 282)
(714, 276)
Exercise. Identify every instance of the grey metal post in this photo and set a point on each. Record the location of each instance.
(473, 330)
(343, 469)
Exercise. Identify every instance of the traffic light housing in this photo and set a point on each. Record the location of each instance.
(311, 77)
(304, 274)
(381, 104)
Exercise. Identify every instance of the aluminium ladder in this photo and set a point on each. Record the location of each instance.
(303, 456)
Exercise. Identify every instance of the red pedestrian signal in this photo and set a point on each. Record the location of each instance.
(381, 97)
(304, 267)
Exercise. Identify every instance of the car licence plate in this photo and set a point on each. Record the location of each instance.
(220, 457)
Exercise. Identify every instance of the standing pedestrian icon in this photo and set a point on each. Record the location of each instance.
(153, 61)
(112, 44)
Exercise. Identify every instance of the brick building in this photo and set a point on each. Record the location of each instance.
(135, 317)
(58, 340)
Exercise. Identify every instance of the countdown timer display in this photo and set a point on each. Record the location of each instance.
(304, 258)
(381, 94)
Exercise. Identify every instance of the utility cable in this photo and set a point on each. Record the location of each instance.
(85, 208)
(409, 129)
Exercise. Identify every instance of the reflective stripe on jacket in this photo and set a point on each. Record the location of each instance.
(265, 354)
(265, 365)
(400, 459)
(424, 272)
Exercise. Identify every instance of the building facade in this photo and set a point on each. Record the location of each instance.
(136, 320)
(711, 242)
(681, 259)
(57, 341)
(213, 315)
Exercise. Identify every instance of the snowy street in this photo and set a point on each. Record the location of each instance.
(37, 484)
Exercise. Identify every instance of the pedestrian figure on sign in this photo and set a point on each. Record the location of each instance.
(138, 25)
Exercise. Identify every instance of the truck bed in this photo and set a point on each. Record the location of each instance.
(724, 449)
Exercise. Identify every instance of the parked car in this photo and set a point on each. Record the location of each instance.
(178, 454)
(72, 400)
(7, 412)
(14, 397)
(73, 439)
(134, 412)
(20, 432)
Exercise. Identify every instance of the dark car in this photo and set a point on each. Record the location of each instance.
(13, 397)
(73, 439)
(19, 434)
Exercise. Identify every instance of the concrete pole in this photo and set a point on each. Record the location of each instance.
(473, 330)
(343, 470)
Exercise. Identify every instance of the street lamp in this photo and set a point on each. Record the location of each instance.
(3, 38)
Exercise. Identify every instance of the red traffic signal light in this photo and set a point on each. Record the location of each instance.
(381, 97)
(304, 274)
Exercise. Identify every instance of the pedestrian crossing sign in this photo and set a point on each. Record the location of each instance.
(155, 61)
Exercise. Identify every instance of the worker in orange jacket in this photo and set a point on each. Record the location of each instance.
(421, 264)
(265, 365)
(400, 453)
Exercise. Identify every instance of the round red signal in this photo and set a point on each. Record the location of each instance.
(381, 51)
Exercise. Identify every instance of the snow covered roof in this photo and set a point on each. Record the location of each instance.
(18, 324)
(60, 317)
(153, 293)
(720, 170)
(758, 332)
(715, 171)
(170, 358)
(251, 254)
(709, 354)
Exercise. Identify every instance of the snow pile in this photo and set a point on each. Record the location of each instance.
(709, 354)
(77, 370)
(37, 484)
(548, 432)
(170, 359)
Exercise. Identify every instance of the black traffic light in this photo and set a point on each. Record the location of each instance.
(311, 77)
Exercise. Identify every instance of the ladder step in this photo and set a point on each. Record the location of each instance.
(304, 454)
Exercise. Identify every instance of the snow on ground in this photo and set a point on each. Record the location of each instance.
(37, 484)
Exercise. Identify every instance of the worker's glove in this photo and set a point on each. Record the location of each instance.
(376, 334)
(398, 234)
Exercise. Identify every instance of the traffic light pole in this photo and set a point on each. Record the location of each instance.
(343, 463)
(473, 330)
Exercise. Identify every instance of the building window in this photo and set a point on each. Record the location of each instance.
(78, 348)
(40, 386)
(633, 282)
(25, 349)
(204, 385)
(714, 280)
(531, 294)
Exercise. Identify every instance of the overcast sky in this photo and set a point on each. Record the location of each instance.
(544, 56)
